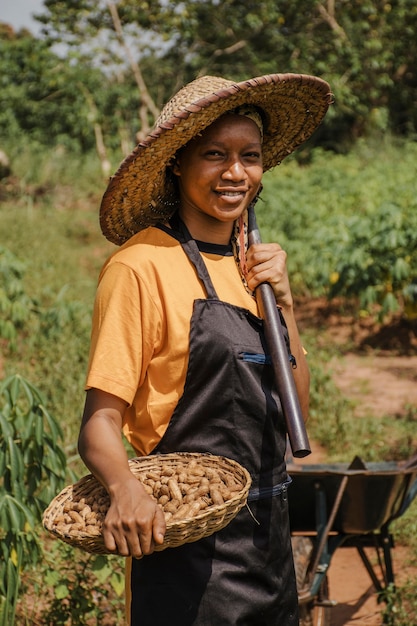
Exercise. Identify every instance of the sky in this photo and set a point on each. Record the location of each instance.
(18, 13)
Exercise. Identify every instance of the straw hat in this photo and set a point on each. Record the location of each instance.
(140, 193)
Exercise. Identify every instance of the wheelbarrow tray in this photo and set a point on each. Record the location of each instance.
(374, 495)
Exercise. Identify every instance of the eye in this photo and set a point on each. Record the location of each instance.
(213, 153)
(253, 155)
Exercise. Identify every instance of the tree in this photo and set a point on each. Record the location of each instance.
(132, 56)
(349, 43)
(39, 96)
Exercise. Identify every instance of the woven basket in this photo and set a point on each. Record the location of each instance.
(76, 514)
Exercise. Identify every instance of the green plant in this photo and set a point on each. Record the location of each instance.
(329, 410)
(405, 529)
(400, 604)
(32, 469)
(71, 587)
(377, 259)
(85, 590)
(15, 305)
(349, 228)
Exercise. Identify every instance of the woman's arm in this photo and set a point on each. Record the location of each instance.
(266, 263)
(134, 522)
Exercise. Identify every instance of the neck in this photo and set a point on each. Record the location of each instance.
(209, 230)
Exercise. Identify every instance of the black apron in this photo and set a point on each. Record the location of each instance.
(244, 574)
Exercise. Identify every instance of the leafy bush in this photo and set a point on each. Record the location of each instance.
(377, 260)
(82, 589)
(32, 469)
(349, 225)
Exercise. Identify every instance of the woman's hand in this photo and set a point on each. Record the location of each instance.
(134, 522)
(267, 263)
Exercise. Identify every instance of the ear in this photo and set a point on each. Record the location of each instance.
(175, 167)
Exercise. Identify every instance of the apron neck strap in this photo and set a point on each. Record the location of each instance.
(193, 253)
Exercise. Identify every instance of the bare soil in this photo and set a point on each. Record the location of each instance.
(377, 368)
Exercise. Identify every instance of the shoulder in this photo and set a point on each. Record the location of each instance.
(153, 264)
(150, 250)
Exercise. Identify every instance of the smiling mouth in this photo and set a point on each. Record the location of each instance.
(232, 194)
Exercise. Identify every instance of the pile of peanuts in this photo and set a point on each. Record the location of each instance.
(189, 488)
(183, 491)
(83, 515)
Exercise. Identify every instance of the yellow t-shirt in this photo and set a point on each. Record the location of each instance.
(141, 323)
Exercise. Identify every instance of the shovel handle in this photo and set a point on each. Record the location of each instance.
(275, 342)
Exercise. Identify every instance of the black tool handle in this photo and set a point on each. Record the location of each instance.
(275, 341)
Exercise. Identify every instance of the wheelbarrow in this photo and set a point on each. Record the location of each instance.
(340, 505)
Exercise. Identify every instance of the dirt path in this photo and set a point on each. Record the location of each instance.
(379, 384)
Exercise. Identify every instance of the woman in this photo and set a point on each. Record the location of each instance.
(177, 358)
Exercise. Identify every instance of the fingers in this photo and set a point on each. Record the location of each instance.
(264, 257)
(159, 526)
(134, 535)
(266, 263)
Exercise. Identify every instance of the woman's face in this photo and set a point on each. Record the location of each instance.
(220, 171)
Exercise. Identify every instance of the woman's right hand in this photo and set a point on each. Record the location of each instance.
(134, 523)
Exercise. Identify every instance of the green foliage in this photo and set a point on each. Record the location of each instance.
(58, 275)
(15, 305)
(54, 101)
(377, 259)
(82, 593)
(39, 96)
(349, 225)
(32, 469)
(329, 410)
(400, 604)
(76, 77)
(72, 587)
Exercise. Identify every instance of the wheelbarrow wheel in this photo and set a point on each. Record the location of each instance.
(312, 610)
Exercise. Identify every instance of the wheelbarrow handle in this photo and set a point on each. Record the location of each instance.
(275, 342)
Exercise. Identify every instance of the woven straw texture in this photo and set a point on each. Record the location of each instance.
(140, 193)
(200, 495)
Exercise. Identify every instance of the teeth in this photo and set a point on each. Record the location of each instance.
(230, 193)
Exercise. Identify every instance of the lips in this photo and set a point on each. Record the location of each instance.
(235, 193)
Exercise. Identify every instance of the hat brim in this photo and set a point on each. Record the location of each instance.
(293, 104)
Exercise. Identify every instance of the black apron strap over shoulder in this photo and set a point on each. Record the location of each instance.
(193, 253)
(191, 249)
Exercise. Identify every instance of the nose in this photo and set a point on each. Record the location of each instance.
(234, 171)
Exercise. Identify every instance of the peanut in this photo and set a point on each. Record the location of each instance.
(153, 476)
(215, 495)
(194, 508)
(182, 512)
(167, 471)
(172, 506)
(76, 517)
(175, 490)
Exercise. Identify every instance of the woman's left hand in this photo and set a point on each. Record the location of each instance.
(267, 263)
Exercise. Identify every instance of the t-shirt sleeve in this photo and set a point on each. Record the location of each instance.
(126, 328)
